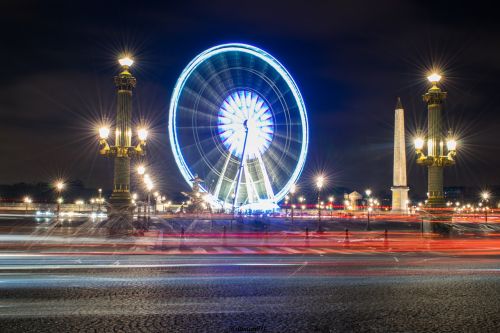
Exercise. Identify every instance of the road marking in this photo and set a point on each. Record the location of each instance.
(269, 250)
(246, 250)
(316, 251)
(290, 250)
(222, 249)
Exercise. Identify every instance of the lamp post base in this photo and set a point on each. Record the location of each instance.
(120, 214)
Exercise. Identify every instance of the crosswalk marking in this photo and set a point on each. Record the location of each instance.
(183, 249)
(222, 249)
(269, 250)
(199, 249)
(316, 251)
(246, 250)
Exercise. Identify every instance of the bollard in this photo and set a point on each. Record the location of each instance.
(182, 232)
(307, 232)
(346, 233)
(385, 234)
(224, 232)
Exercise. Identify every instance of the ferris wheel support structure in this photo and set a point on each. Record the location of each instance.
(242, 164)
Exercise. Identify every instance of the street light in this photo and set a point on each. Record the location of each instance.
(434, 78)
(286, 205)
(141, 170)
(331, 199)
(79, 203)
(104, 133)
(368, 192)
(27, 201)
(142, 134)
(485, 195)
(100, 200)
(149, 186)
(293, 188)
(320, 181)
(419, 143)
(157, 195)
(126, 61)
(122, 149)
(59, 202)
(435, 158)
(59, 186)
(368, 228)
(301, 200)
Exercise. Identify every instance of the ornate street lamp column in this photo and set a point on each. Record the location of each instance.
(125, 83)
(122, 151)
(436, 158)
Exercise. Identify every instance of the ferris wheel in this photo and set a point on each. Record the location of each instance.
(238, 121)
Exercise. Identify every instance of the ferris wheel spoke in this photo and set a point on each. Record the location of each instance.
(267, 182)
(283, 150)
(250, 184)
(241, 167)
(278, 161)
(221, 176)
(285, 137)
(211, 103)
(231, 188)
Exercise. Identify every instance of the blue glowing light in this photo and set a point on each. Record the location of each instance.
(241, 111)
(225, 93)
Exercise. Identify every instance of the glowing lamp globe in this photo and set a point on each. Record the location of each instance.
(141, 170)
(59, 185)
(104, 132)
(320, 182)
(419, 143)
(142, 133)
(451, 145)
(125, 62)
(434, 78)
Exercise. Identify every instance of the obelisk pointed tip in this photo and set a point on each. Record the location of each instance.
(399, 106)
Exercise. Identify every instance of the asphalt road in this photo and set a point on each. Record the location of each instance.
(303, 293)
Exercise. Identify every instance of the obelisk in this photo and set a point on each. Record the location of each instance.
(399, 188)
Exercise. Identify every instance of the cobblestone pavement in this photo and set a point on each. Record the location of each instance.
(252, 294)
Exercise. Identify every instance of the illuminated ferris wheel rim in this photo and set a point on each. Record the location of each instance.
(276, 65)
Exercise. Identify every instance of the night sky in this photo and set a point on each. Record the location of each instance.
(350, 59)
